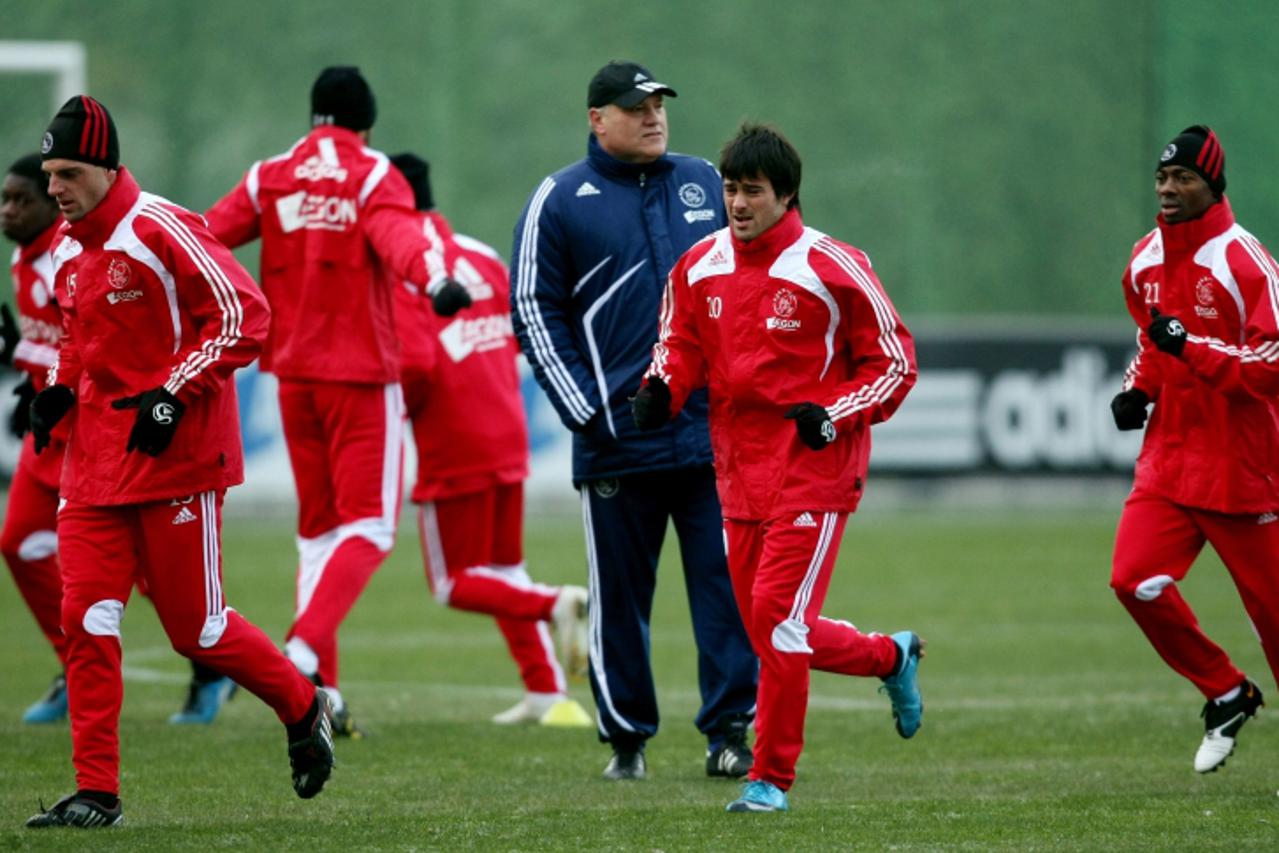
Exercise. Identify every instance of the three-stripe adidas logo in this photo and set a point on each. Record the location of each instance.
(804, 519)
(1267, 517)
(587, 188)
(184, 515)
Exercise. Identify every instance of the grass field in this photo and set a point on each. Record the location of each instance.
(1049, 724)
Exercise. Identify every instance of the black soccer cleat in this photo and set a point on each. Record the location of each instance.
(732, 758)
(79, 812)
(311, 757)
(344, 724)
(1222, 723)
(626, 764)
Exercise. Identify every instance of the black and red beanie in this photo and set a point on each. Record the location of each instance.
(82, 131)
(342, 96)
(1197, 148)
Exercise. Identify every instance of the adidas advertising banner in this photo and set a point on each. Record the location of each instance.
(1013, 398)
(1028, 400)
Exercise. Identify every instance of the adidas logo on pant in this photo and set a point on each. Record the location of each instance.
(804, 519)
(184, 515)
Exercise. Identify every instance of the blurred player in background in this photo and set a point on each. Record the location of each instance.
(802, 351)
(338, 229)
(462, 392)
(156, 317)
(1205, 295)
(592, 250)
(29, 217)
(29, 540)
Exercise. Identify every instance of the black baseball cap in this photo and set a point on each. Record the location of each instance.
(625, 84)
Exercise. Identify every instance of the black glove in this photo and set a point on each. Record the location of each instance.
(20, 419)
(10, 332)
(813, 424)
(157, 420)
(47, 408)
(651, 405)
(1166, 332)
(450, 298)
(1129, 408)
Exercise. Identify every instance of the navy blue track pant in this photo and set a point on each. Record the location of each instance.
(626, 520)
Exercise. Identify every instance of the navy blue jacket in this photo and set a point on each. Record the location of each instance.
(593, 248)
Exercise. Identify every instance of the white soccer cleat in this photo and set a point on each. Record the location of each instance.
(569, 618)
(1222, 723)
(530, 709)
(1213, 752)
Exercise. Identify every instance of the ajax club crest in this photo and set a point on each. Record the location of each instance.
(784, 305)
(119, 274)
(1205, 298)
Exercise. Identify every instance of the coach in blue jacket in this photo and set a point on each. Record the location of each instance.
(592, 252)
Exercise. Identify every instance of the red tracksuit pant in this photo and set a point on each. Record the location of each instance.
(1156, 544)
(473, 552)
(781, 569)
(29, 543)
(345, 444)
(174, 547)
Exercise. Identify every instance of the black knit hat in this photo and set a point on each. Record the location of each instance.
(1196, 148)
(342, 96)
(82, 131)
(418, 173)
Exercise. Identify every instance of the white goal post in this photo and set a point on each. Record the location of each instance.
(65, 60)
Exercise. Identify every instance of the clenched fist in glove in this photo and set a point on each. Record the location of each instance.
(9, 332)
(20, 419)
(813, 423)
(1129, 408)
(651, 405)
(1166, 332)
(47, 408)
(157, 420)
(448, 297)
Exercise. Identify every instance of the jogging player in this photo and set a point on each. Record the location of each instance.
(1204, 294)
(802, 351)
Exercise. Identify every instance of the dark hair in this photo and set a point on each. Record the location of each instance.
(29, 167)
(760, 150)
(418, 173)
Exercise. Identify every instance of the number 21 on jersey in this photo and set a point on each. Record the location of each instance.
(1152, 292)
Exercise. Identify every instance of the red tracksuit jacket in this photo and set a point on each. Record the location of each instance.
(149, 298)
(473, 433)
(792, 316)
(41, 324)
(1213, 438)
(338, 229)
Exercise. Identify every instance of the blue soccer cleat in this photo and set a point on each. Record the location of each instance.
(759, 796)
(52, 707)
(902, 686)
(204, 700)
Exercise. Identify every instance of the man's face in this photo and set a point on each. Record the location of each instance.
(25, 212)
(76, 186)
(753, 206)
(632, 134)
(1183, 195)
